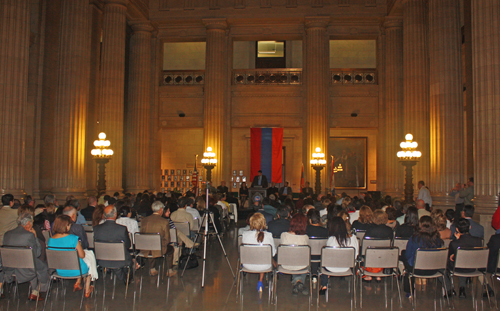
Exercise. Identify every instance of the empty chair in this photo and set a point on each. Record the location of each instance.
(111, 256)
(294, 260)
(400, 243)
(255, 258)
(383, 257)
(340, 258)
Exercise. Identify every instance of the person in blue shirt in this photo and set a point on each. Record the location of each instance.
(426, 236)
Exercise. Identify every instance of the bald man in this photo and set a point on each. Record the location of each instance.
(111, 232)
(420, 204)
(76, 229)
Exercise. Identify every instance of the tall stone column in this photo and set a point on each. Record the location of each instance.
(382, 121)
(416, 82)
(111, 97)
(486, 73)
(446, 99)
(394, 133)
(72, 99)
(215, 112)
(139, 106)
(14, 58)
(316, 78)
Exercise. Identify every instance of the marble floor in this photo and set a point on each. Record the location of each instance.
(185, 293)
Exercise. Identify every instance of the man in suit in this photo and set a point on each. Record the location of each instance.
(158, 225)
(222, 188)
(467, 193)
(280, 224)
(8, 215)
(272, 189)
(76, 229)
(475, 229)
(88, 212)
(307, 191)
(259, 180)
(182, 215)
(25, 235)
(111, 232)
(463, 238)
(285, 191)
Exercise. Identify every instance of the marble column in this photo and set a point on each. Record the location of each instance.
(316, 78)
(382, 117)
(111, 98)
(486, 81)
(446, 99)
(14, 62)
(394, 133)
(416, 83)
(72, 97)
(139, 106)
(216, 82)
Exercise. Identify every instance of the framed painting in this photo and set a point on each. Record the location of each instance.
(349, 158)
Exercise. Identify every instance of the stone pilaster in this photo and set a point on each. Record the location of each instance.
(139, 107)
(446, 99)
(381, 142)
(486, 82)
(416, 82)
(111, 97)
(14, 62)
(72, 99)
(394, 134)
(316, 78)
(216, 82)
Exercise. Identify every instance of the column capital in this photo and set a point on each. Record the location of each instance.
(215, 23)
(316, 22)
(393, 22)
(141, 26)
(116, 2)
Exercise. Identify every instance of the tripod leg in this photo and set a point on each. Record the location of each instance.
(220, 242)
(195, 239)
(205, 242)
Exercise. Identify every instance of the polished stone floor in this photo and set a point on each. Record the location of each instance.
(219, 293)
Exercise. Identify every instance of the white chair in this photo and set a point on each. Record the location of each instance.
(293, 255)
(255, 254)
(150, 242)
(18, 257)
(112, 252)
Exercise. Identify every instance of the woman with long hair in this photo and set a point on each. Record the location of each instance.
(407, 229)
(426, 236)
(440, 221)
(339, 237)
(258, 235)
(365, 219)
(98, 215)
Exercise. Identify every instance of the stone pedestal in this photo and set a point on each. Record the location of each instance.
(416, 82)
(216, 83)
(138, 112)
(394, 133)
(72, 100)
(446, 99)
(14, 61)
(111, 99)
(316, 79)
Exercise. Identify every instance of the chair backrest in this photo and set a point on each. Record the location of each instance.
(252, 254)
(17, 257)
(46, 235)
(368, 242)
(431, 259)
(446, 243)
(240, 241)
(183, 227)
(173, 235)
(109, 251)
(131, 237)
(338, 257)
(277, 241)
(400, 243)
(63, 258)
(360, 234)
(150, 242)
(90, 238)
(294, 255)
(471, 258)
(88, 228)
(383, 257)
(316, 245)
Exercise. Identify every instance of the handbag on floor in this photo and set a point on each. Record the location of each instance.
(192, 261)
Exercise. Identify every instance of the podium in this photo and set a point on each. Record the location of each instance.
(256, 190)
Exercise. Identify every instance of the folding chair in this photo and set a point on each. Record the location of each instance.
(105, 251)
(62, 258)
(493, 275)
(46, 234)
(360, 234)
(255, 254)
(338, 257)
(88, 228)
(400, 243)
(277, 241)
(368, 242)
(429, 259)
(150, 242)
(90, 238)
(316, 245)
(476, 259)
(183, 227)
(447, 243)
(293, 255)
(385, 258)
(19, 257)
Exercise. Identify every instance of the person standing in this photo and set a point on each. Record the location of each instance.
(260, 180)
(424, 193)
(467, 193)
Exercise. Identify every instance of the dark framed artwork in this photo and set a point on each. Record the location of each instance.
(172, 172)
(184, 172)
(350, 160)
(178, 172)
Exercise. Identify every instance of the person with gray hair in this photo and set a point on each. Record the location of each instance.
(157, 206)
(25, 236)
(76, 229)
(50, 198)
(80, 219)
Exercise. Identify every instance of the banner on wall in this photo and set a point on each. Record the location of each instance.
(267, 153)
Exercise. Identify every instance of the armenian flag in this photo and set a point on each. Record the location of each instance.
(267, 153)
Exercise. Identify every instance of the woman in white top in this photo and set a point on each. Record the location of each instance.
(339, 237)
(125, 220)
(296, 235)
(258, 236)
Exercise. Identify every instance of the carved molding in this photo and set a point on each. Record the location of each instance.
(215, 23)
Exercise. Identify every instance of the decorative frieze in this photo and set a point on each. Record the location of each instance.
(268, 76)
(353, 76)
(183, 77)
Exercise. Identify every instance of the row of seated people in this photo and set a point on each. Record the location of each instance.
(420, 233)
